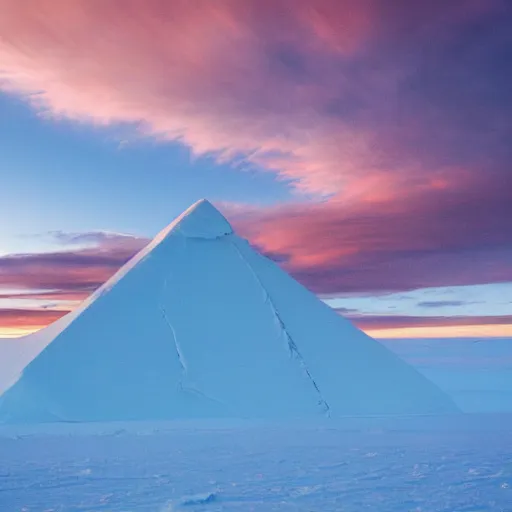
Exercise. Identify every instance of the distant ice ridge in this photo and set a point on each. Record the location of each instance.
(199, 325)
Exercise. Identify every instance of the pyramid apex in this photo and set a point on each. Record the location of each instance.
(198, 203)
(201, 220)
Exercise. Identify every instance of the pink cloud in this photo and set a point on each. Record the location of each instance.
(457, 235)
(221, 76)
(392, 110)
(292, 84)
(68, 272)
(28, 319)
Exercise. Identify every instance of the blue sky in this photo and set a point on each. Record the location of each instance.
(59, 175)
(366, 148)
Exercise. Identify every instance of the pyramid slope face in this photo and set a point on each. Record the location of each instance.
(199, 325)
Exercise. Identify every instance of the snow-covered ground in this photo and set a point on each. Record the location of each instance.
(476, 373)
(351, 466)
(413, 465)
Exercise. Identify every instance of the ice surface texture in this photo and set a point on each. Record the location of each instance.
(199, 325)
(433, 469)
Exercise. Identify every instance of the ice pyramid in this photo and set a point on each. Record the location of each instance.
(199, 325)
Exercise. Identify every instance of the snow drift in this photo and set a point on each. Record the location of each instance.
(199, 325)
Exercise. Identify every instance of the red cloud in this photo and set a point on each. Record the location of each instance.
(28, 319)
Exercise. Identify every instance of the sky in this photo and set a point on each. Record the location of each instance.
(362, 145)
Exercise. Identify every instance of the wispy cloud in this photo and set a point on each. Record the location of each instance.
(369, 322)
(394, 117)
(455, 236)
(59, 295)
(103, 239)
(61, 274)
(354, 96)
(441, 303)
(28, 319)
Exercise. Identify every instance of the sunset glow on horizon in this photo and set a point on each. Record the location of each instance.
(14, 328)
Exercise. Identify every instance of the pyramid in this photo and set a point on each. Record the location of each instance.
(199, 325)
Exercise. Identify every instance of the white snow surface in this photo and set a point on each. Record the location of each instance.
(449, 464)
(199, 325)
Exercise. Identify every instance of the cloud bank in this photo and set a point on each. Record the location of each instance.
(68, 274)
(391, 118)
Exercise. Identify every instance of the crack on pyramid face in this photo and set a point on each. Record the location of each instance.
(292, 346)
